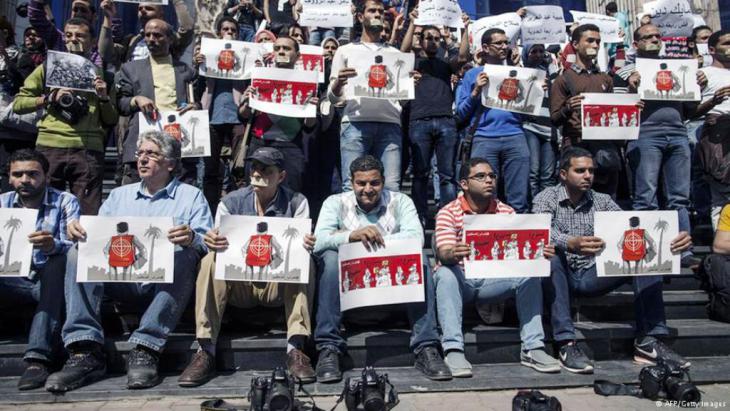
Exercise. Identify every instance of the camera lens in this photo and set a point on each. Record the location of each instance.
(280, 402)
(373, 400)
(66, 100)
(680, 390)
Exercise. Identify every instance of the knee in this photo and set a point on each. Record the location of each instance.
(445, 279)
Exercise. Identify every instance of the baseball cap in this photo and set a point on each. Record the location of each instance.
(269, 156)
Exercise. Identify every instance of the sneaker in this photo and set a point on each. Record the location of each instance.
(300, 366)
(34, 376)
(431, 364)
(539, 360)
(81, 368)
(652, 350)
(458, 364)
(142, 368)
(328, 366)
(200, 370)
(574, 360)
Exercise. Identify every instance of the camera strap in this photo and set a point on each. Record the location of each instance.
(608, 388)
(314, 404)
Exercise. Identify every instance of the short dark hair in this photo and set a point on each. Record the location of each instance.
(715, 37)
(223, 19)
(487, 36)
(611, 7)
(28, 154)
(578, 31)
(80, 21)
(570, 153)
(696, 31)
(296, 44)
(430, 27)
(471, 163)
(361, 5)
(366, 163)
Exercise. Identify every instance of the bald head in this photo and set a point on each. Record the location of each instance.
(158, 35)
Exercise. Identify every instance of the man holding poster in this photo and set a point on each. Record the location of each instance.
(373, 215)
(479, 185)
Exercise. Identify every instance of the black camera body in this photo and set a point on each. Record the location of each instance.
(668, 377)
(72, 107)
(275, 393)
(368, 390)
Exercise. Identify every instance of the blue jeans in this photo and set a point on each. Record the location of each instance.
(650, 155)
(165, 303)
(434, 134)
(510, 158)
(422, 316)
(542, 162)
(564, 282)
(45, 330)
(317, 36)
(453, 290)
(246, 33)
(382, 140)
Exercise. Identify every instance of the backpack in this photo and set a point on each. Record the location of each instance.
(714, 275)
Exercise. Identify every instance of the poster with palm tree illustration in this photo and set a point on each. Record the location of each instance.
(668, 79)
(515, 89)
(229, 59)
(381, 74)
(16, 252)
(637, 243)
(191, 129)
(126, 249)
(266, 249)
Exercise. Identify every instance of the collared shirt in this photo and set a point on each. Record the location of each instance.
(588, 70)
(185, 203)
(570, 220)
(395, 217)
(56, 210)
(277, 207)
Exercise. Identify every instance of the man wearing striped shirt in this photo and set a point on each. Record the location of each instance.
(479, 184)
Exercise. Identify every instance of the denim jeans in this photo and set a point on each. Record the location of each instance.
(45, 330)
(542, 162)
(382, 140)
(453, 290)
(564, 282)
(246, 33)
(650, 155)
(317, 36)
(433, 134)
(422, 316)
(165, 303)
(510, 158)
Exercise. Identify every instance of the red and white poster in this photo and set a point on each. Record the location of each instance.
(284, 92)
(610, 116)
(507, 245)
(311, 58)
(390, 275)
(668, 79)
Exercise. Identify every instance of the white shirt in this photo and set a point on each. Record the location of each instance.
(717, 78)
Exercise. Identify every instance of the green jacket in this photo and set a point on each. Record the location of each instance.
(88, 133)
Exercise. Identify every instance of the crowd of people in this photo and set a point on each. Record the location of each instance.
(343, 169)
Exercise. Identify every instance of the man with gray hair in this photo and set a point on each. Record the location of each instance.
(158, 194)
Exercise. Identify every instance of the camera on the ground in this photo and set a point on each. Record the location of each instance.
(668, 377)
(72, 107)
(368, 391)
(274, 393)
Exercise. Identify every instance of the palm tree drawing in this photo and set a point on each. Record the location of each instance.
(683, 69)
(245, 52)
(13, 224)
(154, 233)
(291, 233)
(532, 79)
(661, 225)
(398, 65)
(192, 125)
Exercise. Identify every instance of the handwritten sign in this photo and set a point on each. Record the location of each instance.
(608, 25)
(509, 22)
(440, 13)
(544, 25)
(674, 18)
(675, 47)
(326, 13)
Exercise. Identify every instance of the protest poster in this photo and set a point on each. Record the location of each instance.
(191, 129)
(326, 13)
(637, 242)
(311, 58)
(16, 252)
(383, 74)
(610, 116)
(159, 2)
(70, 71)
(668, 79)
(516, 89)
(609, 27)
(265, 249)
(543, 25)
(509, 22)
(673, 18)
(389, 275)
(284, 92)
(229, 59)
(675, 47)
(126, 249)
(439, 13)
(506, 245)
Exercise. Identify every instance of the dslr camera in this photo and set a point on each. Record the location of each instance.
(274, 393)
(368, 390)
(72, 107)
(668, 377)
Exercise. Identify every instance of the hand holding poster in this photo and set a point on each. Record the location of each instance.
(504, 246)
(126, 249)
(284, 92)
(509, 22)
(16, 252)
(70, 71)
(390, 275)
(439, 13)
(637, 242)
(190, 129)
(609, 27)
(673, 18)
(266, 249)
(514, 89)
(311, 58)
(610, 116)
(229, 59)
(668, 79)
(543, 25)
(384, 74)
(326, 13)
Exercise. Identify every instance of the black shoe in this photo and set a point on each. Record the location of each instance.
(432, 365)
(328, 366)
(81, 368)
(653, 350)
(34, 376)
(142, 368)
(574, 360)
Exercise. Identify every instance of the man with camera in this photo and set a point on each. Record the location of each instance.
(266, 196)
(73, 133)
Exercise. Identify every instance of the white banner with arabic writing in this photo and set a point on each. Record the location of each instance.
(608, 25)
(326, 13)
(439, 13)
(543, 25)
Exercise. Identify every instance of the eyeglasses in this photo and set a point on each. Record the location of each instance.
(152, 155)
(432, 38)
(482, 177)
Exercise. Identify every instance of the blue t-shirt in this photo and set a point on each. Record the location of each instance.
(493, 122)
(223, 110)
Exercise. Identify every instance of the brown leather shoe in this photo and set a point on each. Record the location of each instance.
(300, 367)
(200, 370)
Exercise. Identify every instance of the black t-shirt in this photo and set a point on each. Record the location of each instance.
(434, 96)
